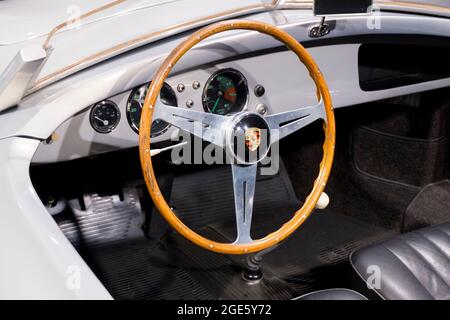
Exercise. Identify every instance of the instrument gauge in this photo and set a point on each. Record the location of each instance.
(104, 116)
(225, 92)
(136, 102)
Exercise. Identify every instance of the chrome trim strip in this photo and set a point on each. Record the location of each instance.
(46, 44)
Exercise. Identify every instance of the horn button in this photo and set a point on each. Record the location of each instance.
(249, 139)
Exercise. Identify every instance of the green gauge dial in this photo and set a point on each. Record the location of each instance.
(136, 101)
(225, 92)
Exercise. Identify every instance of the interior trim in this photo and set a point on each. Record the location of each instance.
(354, 39)
(376, 178)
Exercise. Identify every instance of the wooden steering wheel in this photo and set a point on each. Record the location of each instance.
(225, 131)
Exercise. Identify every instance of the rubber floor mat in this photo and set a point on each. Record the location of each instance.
(207, 197)
(108, 236)
(145, 270)
(107, 233)
(316, 256)
(221, 275)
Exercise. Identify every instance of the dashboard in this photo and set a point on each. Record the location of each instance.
(224, 89)
(224, 93)
(264, 83)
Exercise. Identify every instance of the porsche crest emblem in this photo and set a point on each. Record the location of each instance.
(253, 138)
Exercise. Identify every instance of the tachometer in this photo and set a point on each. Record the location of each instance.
(225, 92)
(136, 101)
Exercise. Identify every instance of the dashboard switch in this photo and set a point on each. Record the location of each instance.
(260, 91)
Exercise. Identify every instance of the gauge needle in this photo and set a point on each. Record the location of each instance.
(215, 105)
(105, 122)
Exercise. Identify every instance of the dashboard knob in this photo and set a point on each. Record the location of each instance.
(259, 91)
(323, 202)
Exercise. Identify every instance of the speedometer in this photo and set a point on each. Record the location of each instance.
(225, 92)
(136, 102)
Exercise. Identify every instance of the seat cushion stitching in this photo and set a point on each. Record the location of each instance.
(443, 232)
(427, 262)
(429, 265)
(410, 271)
(441, 229)
(434, 244)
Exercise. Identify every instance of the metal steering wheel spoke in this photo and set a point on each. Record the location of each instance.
(206, 126)
(244, 182)
(283, 124)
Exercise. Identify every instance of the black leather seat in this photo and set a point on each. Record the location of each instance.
(412, 266)
(333, 294)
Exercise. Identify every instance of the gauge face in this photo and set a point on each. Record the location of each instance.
(105, 116)
(225, 92)
(136, 102)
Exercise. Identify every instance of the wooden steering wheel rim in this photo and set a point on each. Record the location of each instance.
(147, 118)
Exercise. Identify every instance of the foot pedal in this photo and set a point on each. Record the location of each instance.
(104, 219)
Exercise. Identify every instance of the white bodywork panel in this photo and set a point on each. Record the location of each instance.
(19, 75)
(37, 260)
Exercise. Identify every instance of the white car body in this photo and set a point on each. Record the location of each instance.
(113, 51)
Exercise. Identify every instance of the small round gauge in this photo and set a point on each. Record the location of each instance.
(225, 92)
(136, 102)
(105, 116)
